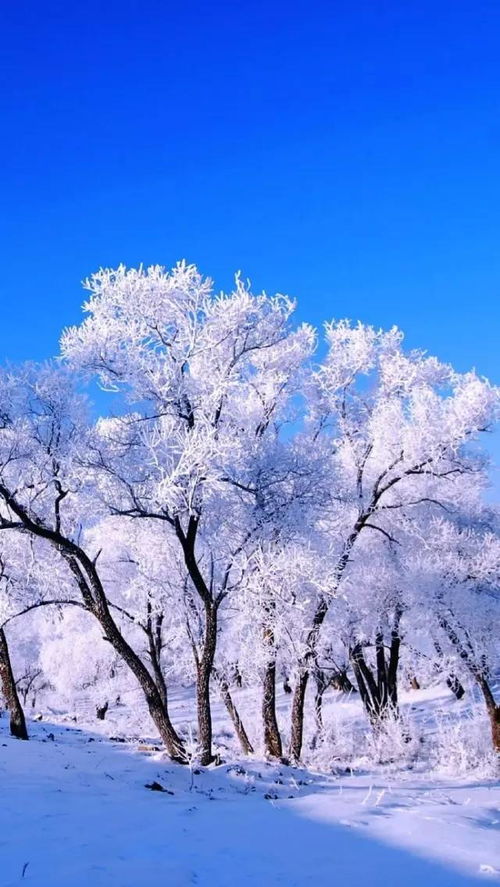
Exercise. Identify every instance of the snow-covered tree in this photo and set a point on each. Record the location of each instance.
(396, 430)
(44, 494)
(210, 378)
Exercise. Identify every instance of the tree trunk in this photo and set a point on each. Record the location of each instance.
(495, 727)
(379, 693)
(392, 668)
(297, 724)
(340, 681)
(94, 600)
(297, 719)
(9, 690)
(321, 684)
(238, 677)
(158, 712)
(479, 673)
(205, 665)
(272, 737)
(379, 690)
(205, 661)
(101, 711)
(154, 635)
(232, 711)
(367, 686)
(452, 682)
(160, 682)
(493, 710)
(455, 686)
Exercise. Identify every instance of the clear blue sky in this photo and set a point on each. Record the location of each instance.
(346, 153)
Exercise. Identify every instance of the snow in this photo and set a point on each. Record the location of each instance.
(76, 811)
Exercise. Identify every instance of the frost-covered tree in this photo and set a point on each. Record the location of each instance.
(210, 379)
(44, 494)
(395, 430)
(454, 569)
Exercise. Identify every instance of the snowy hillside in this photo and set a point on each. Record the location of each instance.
(76, 811)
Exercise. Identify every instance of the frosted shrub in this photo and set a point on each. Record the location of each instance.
(462, 744)
(394, 740)
(340, 744)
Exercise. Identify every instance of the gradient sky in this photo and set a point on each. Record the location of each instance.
(345, 153)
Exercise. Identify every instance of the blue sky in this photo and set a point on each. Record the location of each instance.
(345, 153)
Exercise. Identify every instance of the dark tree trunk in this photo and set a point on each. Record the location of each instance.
(158, 712)
(479, 673)
(155, 642)
(367, 685)
(492, 708)
(297, 724)
(160, 682)
(455, 686)
(204, 669)
(95, 602)
(204, 659)
(232, 711)
(452, 682)
(379, 691)
(9, 690)
(272, 737)
(392, 668)
(319, 618)
(101, 711)
(340, 681)
(322, 683)
(299, 695)
(238, 678)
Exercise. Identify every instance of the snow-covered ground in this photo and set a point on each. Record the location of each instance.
(75, 812)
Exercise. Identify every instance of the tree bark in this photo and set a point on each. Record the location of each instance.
(297, 723)
(158, 712)
(299, 695)
(392, 668)
(322, 683)
(297, 726)
(246, 745)
(452, 682)
(455, 686)
(94, 600)
(205, 660)
(479, 673)
(101, 711)
(367, 685)
(154, 635)
(379, 691)
(96, 603)
(205, 665)
(272, 737)
(493, 710)
(9, 690)
(340, 681)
